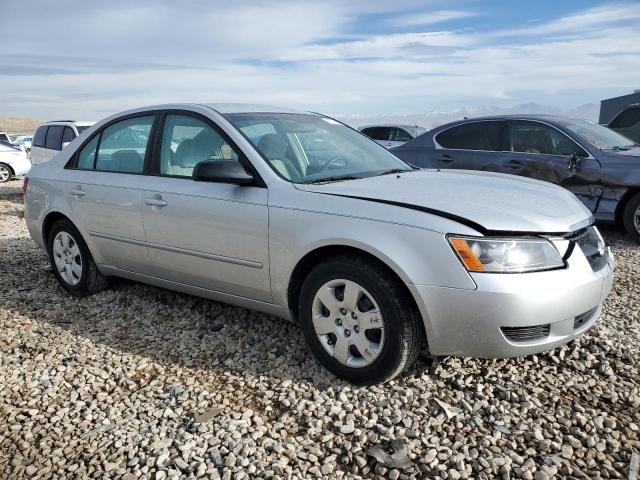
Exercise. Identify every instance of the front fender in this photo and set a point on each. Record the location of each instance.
(416, 255)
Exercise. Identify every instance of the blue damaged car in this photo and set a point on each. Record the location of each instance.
(600, 166)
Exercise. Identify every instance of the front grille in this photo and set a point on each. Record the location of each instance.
(592, 245)
(526, 334)
(583, 318)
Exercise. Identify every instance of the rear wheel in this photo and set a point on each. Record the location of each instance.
(5, 173)
(631, 217)
(71, 261)
(358, 320)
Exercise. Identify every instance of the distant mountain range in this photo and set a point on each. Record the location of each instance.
(432, 119)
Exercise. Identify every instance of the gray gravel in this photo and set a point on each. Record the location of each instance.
(138, 382)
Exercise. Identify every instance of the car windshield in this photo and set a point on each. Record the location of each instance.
(305, 148)
(599, 136)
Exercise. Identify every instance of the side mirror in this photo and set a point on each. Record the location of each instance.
(574, 162)
(222, 171)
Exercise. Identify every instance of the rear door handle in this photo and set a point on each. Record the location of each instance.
(156, 202)
(78, 192)
(445, 158)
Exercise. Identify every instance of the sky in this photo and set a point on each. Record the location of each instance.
(87, 59)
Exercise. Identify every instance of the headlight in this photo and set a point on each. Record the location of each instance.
(506, 255)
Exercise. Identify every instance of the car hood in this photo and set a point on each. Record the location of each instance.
(486, 201)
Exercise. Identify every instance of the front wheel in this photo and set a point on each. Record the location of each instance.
(631, 217)
(358, 320)
(5, 173)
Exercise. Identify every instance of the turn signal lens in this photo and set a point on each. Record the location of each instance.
(467, 256)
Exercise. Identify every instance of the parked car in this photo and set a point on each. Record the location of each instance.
(25, 140)
(52, 137)
(298, 215)
(627, 122)
(5, 138)
(392, 135)
(13, 162)
(601, 167)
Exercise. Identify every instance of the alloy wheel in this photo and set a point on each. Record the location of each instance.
(636, 219)
(67, 258)
(348, 323)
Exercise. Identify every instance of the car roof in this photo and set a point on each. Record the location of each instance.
(540, 117)
(403, 125)
(224, 108)
(70, 122)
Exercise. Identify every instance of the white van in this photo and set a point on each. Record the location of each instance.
(52, 137)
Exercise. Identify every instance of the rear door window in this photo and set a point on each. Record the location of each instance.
(473, 136)
(54, 138)
(40, 136)
(123, 145)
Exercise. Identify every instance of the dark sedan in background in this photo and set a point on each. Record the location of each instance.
(600, 166)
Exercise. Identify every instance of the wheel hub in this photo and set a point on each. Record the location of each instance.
(67, 258)
(348, 323)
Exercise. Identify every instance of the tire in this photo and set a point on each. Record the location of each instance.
(80, 275)
(631, 217)
(5, 173)
(387, 351)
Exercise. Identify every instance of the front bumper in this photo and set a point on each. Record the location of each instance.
(561, 304)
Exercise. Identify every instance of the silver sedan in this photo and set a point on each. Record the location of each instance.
(300, 216)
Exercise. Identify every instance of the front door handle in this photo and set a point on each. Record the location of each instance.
(78, 192)
(445, 158)
(156, 202)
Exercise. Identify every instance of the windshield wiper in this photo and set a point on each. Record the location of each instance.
(395, 170)
(338, 178)
(620, 148)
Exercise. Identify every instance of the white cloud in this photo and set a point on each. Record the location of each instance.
(98, 60)
(431, 18)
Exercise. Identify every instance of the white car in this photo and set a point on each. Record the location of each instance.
(13, 162)
(25, 140)
(52, 137)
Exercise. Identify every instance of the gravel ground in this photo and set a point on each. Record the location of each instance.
(139, 382)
